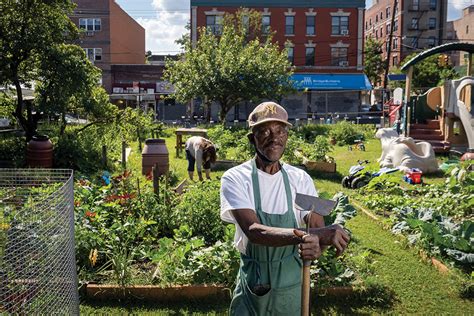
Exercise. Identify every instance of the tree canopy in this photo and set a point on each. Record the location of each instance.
(428, 73)
(33, 50)
(239, 63)
(373, 61)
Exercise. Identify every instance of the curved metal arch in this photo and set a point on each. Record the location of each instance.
(462, 46)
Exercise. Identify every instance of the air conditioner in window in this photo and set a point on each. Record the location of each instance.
(344, 32)
(89, 33)
(117, 90)
(343, 63)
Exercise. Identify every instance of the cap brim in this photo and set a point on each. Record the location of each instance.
(271, 120)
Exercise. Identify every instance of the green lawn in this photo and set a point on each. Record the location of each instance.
(407, 284)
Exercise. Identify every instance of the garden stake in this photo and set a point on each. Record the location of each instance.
(308, 203)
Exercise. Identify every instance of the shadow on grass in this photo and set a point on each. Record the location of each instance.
(375, 298)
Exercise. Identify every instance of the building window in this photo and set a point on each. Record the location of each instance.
(395, 43)
(290, 55)
(214, 24)
(245, 23)
(289, 25)
(376, 19)
(395, 61)
(381, 16)
(381, 32)
(414, 42)
(376, 33)
(265, 24)
(415, 5)
(433, 4)
(310, 25)
(90, 25)
(414, 24)
(94, 54)
(432, 23)
(467, 29)
(309, 60)
(340, 25)
(366, 25)
(431, 41)
(387, 12)
(370, 22)
(395, 25)
(387, 28)
(339, 56)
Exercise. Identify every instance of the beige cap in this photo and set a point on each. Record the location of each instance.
(267, 112)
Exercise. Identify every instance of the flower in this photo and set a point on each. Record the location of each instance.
(90, 214)
(4, 226)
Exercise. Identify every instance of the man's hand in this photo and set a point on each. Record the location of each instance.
(333, 235)
(309, 246)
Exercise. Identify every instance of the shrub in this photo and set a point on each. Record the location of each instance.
(345, 133)
(200, 210)
(13, 149)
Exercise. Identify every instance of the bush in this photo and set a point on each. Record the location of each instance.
(200, 210)
(345, 133)
(13, 151)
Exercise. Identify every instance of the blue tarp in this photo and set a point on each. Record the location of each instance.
(331, 82)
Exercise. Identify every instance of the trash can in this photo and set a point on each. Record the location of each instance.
(39, 152)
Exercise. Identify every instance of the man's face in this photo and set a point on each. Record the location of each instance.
(270, 139)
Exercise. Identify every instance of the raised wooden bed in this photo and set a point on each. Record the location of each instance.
(156, 293)
(321, 166)
(441, 267)
(103, 292)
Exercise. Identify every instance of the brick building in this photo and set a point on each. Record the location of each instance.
(418, 24)
(461, 30)
(110, 36)
(325, 44)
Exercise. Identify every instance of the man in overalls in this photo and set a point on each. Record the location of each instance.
(258, 196)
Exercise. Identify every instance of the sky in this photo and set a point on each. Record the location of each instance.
(165, 20)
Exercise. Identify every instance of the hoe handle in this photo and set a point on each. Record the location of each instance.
(305, 287)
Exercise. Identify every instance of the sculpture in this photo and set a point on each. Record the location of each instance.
(404, 153)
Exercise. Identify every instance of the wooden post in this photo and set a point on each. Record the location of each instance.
(124, 155)
(408, 92)
(156, 180)
(469, 65)
(104, 156)
(139, 140)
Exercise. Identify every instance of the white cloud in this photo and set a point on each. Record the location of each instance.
(168, 25)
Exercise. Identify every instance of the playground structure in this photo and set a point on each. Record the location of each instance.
(443, 116)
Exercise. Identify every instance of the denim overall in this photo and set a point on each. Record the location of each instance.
(269, 280)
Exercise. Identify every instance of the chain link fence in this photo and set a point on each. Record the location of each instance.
(37, 255)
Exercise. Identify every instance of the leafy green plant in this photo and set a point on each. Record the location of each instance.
(185, 259)
(199, 209)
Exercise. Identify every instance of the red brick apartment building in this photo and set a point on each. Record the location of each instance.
(111, 36)
(418, 24)
(325, 45)
(461, 30)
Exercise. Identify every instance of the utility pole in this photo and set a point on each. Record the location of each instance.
(389, 48)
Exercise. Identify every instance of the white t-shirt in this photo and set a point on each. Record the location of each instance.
(237, 193)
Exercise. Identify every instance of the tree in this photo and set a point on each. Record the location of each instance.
(33, 34)
(428, 72)
(239, 64)
(69, 84)
(374, 63)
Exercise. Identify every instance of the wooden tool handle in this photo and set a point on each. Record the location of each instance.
(305, 288)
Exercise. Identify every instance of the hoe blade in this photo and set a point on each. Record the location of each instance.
(315, 204)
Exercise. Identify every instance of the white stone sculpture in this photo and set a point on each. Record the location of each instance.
(404, 153)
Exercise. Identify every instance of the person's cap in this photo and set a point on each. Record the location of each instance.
(268, 112)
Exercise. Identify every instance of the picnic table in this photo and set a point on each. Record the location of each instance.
(187, 131)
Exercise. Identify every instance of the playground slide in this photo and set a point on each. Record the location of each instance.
(461, 110)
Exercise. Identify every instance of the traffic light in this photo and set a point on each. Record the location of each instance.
(446, 60)
(441, 60)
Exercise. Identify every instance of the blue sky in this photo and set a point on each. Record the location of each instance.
(165, 20)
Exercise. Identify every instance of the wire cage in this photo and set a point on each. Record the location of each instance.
(37, 255)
